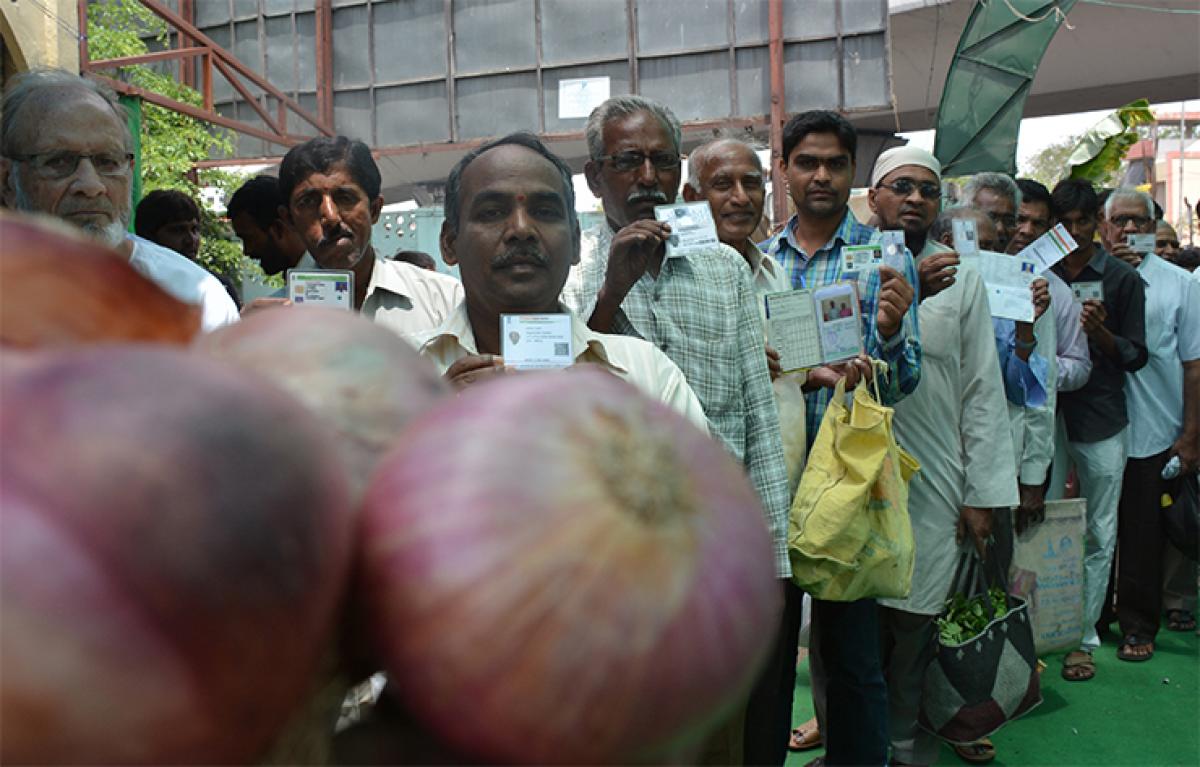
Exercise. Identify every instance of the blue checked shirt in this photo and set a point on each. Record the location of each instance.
(702, 311)
(902, 352)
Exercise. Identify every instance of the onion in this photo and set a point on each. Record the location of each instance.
(558, 570)
(58, 288)
(365, 381)
(176, 543)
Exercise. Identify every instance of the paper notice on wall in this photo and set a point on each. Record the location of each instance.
(1047, 571)
(578, 97)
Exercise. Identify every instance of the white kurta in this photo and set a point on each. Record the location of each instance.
(956, 425)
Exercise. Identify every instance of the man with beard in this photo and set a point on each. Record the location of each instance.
(699, 307)
(512, 230)
(66, 152)
(332, 190)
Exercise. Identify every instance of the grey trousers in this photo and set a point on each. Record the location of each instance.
(907, 644)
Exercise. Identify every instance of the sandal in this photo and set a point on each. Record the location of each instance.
(1078, 666)
(806, 737)
(981, 751)
(1135, 650)
(1180, 620)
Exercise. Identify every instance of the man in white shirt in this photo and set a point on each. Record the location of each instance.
(332, 187)
(1163, 402)
(66, 152)
(511, 229)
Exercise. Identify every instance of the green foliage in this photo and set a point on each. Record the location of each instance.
(1049, 166)
(964, 619)
(1101, 150)
(170, 142)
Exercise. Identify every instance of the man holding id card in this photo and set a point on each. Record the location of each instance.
(511, 229)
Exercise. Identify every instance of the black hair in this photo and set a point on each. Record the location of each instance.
(417, 258)
(320, 154)
(258, 198)
(1034, 191)
(162, 207)
(1188, 258)
(1074, 194)
(520, 138)
(819, 121)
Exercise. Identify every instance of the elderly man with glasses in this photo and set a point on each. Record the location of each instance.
(66, 153)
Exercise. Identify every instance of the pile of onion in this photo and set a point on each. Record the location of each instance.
(558, 570)
(175, 550)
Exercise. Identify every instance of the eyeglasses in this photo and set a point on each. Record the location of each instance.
(903, 187)
(1008, 221)
(623, 162)
(1141, 222)
(60, 165)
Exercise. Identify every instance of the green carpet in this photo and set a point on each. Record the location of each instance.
(1129, 714)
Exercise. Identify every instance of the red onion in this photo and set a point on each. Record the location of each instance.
(58, 289)
(176, 543)
(557, 569)
(365, 381)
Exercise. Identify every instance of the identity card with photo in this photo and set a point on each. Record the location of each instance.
(838, 321)
(536, 341)
(1140, 243)
(1088, 291)
(861, 258)
(966, 238)
(792, 329)
(1007, 279)
(692, 227)
(321, 287)
(1050, 248)
(893, 244)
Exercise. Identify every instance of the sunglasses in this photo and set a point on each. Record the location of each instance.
(903, 187)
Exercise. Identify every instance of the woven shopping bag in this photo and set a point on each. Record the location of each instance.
(972, 688)
(849, 533)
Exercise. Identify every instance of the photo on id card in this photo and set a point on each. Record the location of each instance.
(1088, 291)
(839, 321)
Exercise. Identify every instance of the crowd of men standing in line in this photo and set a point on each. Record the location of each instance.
(1115, 382)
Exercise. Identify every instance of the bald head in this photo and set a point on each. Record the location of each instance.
(985, 228)
(728, 175)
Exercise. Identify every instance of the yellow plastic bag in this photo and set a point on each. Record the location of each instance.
(849, 535)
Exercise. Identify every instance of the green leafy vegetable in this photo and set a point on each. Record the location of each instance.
(964, 619)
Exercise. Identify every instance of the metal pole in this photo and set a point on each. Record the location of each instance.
(324, 32)
(81, 12)
(1182, 155)
(779, 206)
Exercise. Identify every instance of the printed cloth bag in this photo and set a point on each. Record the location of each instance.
(849, 534)
(973, 688)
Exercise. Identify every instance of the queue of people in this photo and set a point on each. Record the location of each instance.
(998, 412)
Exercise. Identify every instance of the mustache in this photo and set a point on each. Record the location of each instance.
(521, 253)
(646, 195)
(334, 236)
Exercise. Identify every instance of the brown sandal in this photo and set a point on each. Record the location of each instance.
(1078, 666)
(981, 751)
(806, 737)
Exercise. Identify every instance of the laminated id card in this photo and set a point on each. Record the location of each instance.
(321, 287)
(1088, 291)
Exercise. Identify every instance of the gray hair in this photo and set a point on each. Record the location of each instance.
(1000, 183)
(944, 223)
(32, 86)
(1129, 193)
(701, 154)
(623, 106)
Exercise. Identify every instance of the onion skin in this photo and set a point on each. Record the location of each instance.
(363, 380)
(558, 570)
(176, 544)
(58, 288)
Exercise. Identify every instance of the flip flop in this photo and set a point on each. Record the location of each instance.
(1180, 620)
(1131, 643)
(981, 751)
(1078, 666)
(806, 737)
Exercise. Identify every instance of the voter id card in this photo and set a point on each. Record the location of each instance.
(536, 341)
(966, 237)
(861, 258)
(1087, 291)
(321, 287)
(1140, 243)
(893, 244)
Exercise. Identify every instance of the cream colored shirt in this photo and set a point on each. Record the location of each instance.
(408, 299)
(769, 277)
(630, 359)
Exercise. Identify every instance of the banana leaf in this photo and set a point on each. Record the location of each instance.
(1099, 153)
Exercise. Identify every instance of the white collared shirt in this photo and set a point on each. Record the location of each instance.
(1154, 394)
(408, 299)
(184, 280)
(630, 359)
